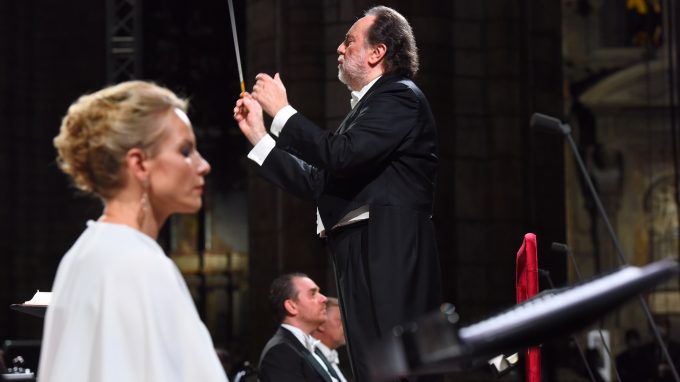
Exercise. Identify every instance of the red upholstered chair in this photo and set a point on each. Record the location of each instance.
(527, 287)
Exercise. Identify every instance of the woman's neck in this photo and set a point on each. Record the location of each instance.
(134, 214)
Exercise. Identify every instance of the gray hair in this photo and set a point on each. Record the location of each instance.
(393, 30)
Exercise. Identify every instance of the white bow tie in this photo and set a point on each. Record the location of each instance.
(354, 100)
(333, 357)
(310, 343)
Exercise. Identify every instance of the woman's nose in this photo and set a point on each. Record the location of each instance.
(204, 166)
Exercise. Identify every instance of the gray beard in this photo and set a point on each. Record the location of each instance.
(342, 76)
(344, 80)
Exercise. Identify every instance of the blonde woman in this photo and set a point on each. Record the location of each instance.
(120, 309)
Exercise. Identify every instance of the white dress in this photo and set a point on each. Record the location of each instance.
(121, 311)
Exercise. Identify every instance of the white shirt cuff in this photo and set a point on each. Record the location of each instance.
(262, 149)
(281, 118)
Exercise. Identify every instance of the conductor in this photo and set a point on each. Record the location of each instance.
(372, 178)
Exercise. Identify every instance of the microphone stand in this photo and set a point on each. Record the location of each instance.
(546, 274)
(560, 247)
(554, 125)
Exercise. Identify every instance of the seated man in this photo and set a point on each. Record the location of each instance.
(291, 354)
(332, 336)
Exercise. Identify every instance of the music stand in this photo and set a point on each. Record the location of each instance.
(434, 344)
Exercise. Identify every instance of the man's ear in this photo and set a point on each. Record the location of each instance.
(135, 161)
(290, 307)
(377, 54)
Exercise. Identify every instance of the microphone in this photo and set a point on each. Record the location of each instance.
(559, 247)
(564, 249)
(549, 124)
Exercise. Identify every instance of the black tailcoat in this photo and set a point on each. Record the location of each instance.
(383, 155)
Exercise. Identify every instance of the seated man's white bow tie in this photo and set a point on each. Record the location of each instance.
(310, 343)
(333, 357)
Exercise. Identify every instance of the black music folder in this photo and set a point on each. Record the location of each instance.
(435, 343)
(33, 310)
(36, 306)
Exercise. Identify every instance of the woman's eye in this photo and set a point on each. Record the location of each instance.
(186, 151)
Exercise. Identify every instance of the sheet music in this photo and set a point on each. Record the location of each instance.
(40, 299)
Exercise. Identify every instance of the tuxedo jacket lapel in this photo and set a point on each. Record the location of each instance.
(331, 371)
(319, 369)
(347, 122)
(304, 353)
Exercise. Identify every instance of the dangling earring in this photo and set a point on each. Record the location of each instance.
(144, 203)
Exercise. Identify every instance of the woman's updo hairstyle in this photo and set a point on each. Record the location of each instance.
(100, 128)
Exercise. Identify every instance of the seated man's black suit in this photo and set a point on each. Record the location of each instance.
(284, 359)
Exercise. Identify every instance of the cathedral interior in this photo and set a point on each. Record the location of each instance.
(608, 68)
